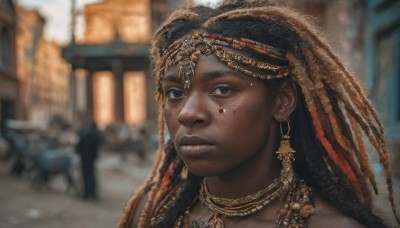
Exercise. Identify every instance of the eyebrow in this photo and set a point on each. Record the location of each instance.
(171, 78)
(222, 73)
(207, 76)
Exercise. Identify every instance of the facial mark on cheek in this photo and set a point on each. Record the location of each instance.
(223, 110)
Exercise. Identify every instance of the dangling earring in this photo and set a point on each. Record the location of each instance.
(184, 172)
(286, 155)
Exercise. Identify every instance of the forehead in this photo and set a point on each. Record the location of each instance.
(204, 60)
(207, 65)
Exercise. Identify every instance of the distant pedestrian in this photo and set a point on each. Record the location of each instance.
(89, 141)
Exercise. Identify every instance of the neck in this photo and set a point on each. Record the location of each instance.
(255, 174)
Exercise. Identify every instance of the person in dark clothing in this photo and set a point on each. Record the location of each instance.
(87, 147)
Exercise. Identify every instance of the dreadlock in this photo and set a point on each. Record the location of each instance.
(332, 118)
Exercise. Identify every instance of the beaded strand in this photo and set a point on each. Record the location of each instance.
(185, 53)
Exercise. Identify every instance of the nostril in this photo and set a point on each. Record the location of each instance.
(187, 118)
(193, 113)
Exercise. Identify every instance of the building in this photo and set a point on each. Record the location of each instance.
(29, 32)
(110, 64)
(9, 91)
(51, 83)
(42, 72)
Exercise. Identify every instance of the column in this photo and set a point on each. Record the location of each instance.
(73, 94)
(89, 95)
(118, 73)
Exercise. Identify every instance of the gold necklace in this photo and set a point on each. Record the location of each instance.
(297, 208)
(239, 207)
(236, 202)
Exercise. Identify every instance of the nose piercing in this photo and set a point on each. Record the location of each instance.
(221, 110)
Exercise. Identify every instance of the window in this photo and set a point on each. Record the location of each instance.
(383, 63)
(386, 81)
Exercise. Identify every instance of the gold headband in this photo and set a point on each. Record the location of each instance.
(185, 53)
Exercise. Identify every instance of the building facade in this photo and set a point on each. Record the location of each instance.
(51, 83)
(42, 72)
(110, 64)
(29, 32)
(9, 91)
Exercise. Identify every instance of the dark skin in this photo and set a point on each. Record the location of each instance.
(234, 150)
(228, 148)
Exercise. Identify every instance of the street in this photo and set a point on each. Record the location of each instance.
(52, 207)
(22, 206)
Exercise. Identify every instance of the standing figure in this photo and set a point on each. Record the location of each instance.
(267, 128)
(87, 147)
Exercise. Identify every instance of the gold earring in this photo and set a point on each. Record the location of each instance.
(184, 173)
(286, 155)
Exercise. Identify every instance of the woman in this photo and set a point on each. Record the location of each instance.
(266, 126)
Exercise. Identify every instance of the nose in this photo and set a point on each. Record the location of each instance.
(194, 112)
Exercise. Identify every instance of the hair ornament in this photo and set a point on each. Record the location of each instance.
(230, 51)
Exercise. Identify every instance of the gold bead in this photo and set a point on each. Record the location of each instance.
(296, 207)
(306, 211)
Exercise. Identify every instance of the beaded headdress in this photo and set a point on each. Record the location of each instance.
(185, 53)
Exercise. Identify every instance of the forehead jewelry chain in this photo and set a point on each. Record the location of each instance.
(188, 57)
(186, 52)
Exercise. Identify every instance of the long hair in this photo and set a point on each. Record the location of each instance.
(332, 125)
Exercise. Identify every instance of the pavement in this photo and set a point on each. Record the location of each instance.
(54, 207)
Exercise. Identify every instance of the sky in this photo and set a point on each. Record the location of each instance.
(58, 19)
(57, 14)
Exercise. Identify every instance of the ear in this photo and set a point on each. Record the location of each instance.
(285, 101)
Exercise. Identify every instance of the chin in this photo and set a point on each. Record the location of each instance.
(203, 170)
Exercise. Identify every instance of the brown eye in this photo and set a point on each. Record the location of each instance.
(174, 93)
(223, 90)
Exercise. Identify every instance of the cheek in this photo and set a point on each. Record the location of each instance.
(171, 121)
(249, 126)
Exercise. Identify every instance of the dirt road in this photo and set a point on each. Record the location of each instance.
(21, 206)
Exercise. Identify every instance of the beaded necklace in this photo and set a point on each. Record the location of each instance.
(298, 206)
(239, 207)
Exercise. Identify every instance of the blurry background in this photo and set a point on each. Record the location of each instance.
(64, 63)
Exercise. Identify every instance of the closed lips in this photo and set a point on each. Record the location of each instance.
(195, 150)
(194, 145)
(193, 140)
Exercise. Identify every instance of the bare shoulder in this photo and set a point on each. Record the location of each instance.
(139, 209)
(326, 215)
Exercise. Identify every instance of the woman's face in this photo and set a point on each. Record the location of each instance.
(223, 122)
